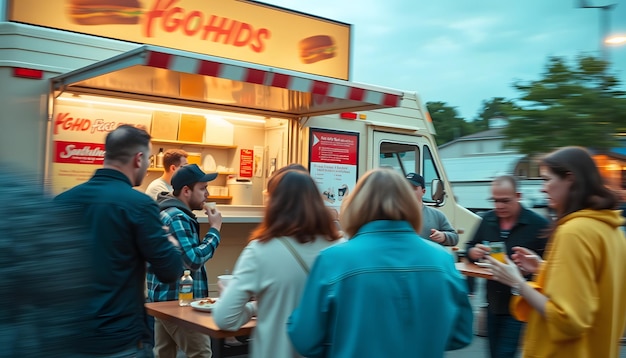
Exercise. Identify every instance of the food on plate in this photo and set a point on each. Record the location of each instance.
(207, 301)
(317, 48)
(101, 12)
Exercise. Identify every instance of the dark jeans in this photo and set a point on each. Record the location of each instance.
(150, 323)
(471, 284)
(504, 333)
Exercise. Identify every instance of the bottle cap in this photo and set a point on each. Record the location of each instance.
(187, 272)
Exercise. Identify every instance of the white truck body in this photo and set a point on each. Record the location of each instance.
(401, 137)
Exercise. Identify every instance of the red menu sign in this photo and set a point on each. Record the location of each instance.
(78, 153)
(333, 163)
(246, 161)
(334, 148)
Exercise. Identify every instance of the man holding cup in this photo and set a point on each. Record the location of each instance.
(189, 185)
(507, 226)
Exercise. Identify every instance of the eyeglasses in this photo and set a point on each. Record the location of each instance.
(500, 200)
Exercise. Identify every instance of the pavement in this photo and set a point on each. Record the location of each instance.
(479, 346)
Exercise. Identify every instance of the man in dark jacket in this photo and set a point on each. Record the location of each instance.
(124, 233)
(41, 310)
(514, 225)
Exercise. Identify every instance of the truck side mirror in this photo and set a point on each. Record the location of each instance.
(436, 188)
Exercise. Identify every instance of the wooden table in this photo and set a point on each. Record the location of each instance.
(198, 321)
(470, 269)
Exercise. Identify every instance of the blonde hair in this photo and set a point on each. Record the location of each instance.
(381, 194)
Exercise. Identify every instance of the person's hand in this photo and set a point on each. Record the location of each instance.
(507, 273)
(527, 260)
(437, 236)
(215, 218)
(478, 252)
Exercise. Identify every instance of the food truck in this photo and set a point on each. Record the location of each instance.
(244, 87)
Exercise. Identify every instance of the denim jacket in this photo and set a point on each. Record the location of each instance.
(385, 293)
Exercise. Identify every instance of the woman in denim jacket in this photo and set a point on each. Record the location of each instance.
(386, 292)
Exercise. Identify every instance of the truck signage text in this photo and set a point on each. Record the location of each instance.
(207, 26)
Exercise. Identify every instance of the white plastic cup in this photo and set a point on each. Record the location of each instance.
(222, 282)
(210, 206)
(224, 279)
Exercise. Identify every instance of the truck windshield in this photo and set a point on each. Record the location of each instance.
(405, 158)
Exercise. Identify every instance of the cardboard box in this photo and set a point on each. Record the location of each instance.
(194, 158)
(191, 128)
(165, 125)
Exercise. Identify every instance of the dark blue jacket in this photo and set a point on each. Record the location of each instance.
(125, 233)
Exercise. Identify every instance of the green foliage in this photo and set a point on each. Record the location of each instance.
(447, 122)
(570, 105)
(493, 108)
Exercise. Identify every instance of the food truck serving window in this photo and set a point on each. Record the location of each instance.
(197, 103)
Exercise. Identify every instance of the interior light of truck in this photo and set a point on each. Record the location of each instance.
(27, 73)
(348, 115)
(163, 107)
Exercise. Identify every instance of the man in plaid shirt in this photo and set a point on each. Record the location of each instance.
(190, 193)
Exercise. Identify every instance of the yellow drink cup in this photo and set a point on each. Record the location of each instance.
(498, 251)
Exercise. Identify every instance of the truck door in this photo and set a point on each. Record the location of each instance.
(406, 154)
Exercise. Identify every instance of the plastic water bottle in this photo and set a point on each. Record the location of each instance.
(185, 289)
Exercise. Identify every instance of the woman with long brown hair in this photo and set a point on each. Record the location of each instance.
(274, 266)
(575, 304)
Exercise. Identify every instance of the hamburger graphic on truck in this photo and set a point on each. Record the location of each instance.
(317, 48)
(104, 12)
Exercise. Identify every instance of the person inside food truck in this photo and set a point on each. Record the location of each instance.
(172, 160)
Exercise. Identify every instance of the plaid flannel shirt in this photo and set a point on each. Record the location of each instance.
(195, 254)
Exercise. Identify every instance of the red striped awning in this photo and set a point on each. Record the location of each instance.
(196, 77)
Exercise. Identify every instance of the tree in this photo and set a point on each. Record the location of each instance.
(447, 123)
(570, 105)
(493, 108)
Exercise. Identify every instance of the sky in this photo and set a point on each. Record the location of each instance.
(463, 52)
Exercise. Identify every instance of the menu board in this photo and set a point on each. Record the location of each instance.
(78, 135)
(246, 160)
(333, 163)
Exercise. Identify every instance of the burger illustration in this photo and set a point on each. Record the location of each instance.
(103, 12)
(317, 48)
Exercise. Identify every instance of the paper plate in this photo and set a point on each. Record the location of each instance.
(202, 305)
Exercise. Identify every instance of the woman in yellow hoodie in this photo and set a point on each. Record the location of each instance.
(576, 304)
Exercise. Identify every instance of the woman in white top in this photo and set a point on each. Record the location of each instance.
(274, 266)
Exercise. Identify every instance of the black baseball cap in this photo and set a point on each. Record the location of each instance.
(416, 180)
(189, 174)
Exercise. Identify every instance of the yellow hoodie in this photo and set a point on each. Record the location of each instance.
(584, 278)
